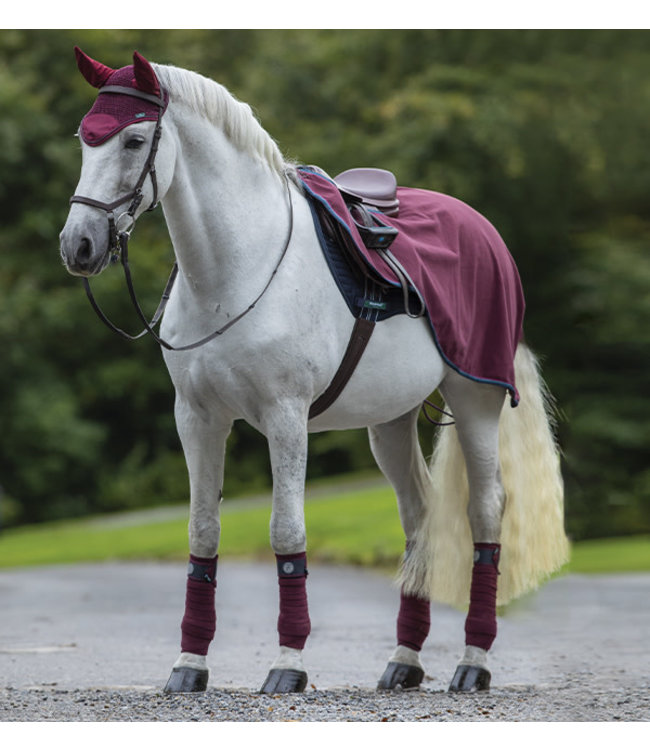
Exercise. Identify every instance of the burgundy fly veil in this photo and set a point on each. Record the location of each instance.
(112, 110)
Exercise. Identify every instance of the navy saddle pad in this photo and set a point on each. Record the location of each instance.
(365, 293)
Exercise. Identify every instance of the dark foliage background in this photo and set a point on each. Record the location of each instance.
(545, 132)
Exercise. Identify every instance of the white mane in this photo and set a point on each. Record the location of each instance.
(214, 102)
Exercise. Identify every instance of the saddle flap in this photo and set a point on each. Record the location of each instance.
(376, 187)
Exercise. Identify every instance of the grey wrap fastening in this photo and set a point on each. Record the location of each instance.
(292, 568)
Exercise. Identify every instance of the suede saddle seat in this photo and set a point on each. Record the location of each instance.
(372, 186)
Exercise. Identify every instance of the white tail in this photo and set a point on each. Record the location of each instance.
(533, 541)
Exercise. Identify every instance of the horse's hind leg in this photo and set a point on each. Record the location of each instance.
(477, 408)
(397, 451)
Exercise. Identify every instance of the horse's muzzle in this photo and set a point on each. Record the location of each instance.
(80, 254)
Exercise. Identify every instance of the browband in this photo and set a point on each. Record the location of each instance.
(157, 100)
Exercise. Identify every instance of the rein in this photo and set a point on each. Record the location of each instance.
(148, 327)
(119, 240)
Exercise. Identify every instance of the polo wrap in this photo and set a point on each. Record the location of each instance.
(413, 621)
(293, 621)
(200, 620)
(481, 622)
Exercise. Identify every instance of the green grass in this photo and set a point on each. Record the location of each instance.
(83, 541)
(359, 526)
(620, 555)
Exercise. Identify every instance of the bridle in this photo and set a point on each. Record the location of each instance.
(119, 238)
(149, 168)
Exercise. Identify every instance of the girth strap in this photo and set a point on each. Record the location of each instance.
(359, 339)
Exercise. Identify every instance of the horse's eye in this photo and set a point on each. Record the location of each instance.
(134, 142)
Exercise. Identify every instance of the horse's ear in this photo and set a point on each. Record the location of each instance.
(145, 76)
(94, 72)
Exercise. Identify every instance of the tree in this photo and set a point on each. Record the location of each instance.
(542, 131)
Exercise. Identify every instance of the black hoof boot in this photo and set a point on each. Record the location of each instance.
(400, 677)
(284, 681)
(470, 679)
(187, 680)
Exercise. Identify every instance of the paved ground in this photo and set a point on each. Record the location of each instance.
(74, 635)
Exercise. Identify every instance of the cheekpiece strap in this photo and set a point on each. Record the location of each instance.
(292, 568)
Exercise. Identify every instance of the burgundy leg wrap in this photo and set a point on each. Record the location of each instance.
(413, 621)
(200, 619)
(293, 622)
(481, 622)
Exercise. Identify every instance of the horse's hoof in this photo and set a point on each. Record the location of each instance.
(469, 679)
(400, 677)
(187, 680)
(284, 681)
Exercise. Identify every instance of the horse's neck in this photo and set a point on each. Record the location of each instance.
(226, 212)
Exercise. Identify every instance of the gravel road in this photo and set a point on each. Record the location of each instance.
(96, 642)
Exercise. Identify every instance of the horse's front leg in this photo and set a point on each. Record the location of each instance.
(204, 441)
(286, 431)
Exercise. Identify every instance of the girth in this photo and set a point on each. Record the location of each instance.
(359, 339)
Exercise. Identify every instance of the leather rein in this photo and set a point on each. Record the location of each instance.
(119, 239)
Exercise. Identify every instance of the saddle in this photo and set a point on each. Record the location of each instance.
(365, 191)
(376, 188)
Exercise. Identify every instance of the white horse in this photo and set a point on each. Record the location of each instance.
(243, 233)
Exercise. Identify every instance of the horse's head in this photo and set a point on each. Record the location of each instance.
(120, 175)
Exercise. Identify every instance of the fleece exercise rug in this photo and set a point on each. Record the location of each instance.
(459, 265)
